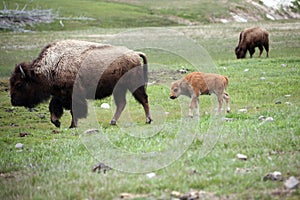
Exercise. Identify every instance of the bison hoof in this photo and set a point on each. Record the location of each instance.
(148, 121)
(56, 123)
(113, 122)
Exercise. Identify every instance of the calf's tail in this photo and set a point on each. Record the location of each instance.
(225, 81)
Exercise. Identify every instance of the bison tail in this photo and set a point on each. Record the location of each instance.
(226, 81)
(145, 67)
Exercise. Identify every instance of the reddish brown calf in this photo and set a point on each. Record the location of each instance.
(197, 83)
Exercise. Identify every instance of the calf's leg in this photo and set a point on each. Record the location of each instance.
(194, 104)
(226, 97)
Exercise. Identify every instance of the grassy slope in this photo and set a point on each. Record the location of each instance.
(58, 166)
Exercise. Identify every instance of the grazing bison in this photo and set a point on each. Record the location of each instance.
(197, 83)
(91, 70)
(251, 38)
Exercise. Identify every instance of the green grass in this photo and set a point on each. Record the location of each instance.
(59, 165)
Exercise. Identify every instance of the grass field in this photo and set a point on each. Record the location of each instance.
(185, 154)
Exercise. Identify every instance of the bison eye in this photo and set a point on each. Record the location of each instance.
(18, 85)
(175, 90)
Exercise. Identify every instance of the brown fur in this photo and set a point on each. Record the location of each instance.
(197, 83)
(93, 70)
(251, 38)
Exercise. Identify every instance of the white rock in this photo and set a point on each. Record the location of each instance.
(151, 175)
(277, 175)
(269, 119)
(270, 17)
(262, 78)
(291, 183)
(241, 156)
(105, 106)
(287, 95)
(261, 118)
(283, 65)
(243, 110)
(246, 70)
(288, 103)
(19, 145)
(91, 131)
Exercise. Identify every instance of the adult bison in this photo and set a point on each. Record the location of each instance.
(72, 71)
(251, 38)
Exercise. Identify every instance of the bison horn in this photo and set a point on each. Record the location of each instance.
(22, 72)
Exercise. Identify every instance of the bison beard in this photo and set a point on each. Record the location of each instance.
(93, 70)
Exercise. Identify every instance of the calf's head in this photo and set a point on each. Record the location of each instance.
(25, 89)
(175, 90)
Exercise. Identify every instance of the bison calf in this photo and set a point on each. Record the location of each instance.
(198, 83)
(251, 38)
(96, 70)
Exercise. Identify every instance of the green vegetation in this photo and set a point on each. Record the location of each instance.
(57, 163)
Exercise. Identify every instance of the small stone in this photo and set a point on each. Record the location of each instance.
(151, 175)
(278, 102)
(291, 183)
(226, 119)
(287, 95)
(274, 176)
(241, 156)
(283, 65)
(9, 110)
(262, 78)
(243, 110)
(105, 106)
(176, 194)
(261, 118)
(23, 134)
(56, 131)
(269, 119)
(288, 103)
(246, 70)
(91, 131)
(19, 145)
(41, 116)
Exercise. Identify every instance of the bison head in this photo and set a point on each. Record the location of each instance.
(175, 90)
(25, 87)
(240, 52)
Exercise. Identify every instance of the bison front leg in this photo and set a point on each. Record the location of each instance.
(251, 51)
(120, 101)
(194, 105)
(141, 96)
(56, 111)
(261, 49)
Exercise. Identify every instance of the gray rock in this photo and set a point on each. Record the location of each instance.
(19, 145)
(291, 183)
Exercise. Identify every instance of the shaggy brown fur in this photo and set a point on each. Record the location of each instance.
(197, 83)
(71, 71)
(251, 38)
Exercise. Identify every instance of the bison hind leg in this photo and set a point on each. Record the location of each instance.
(141, 96)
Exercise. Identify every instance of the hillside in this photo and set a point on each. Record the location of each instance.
(74, 15)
